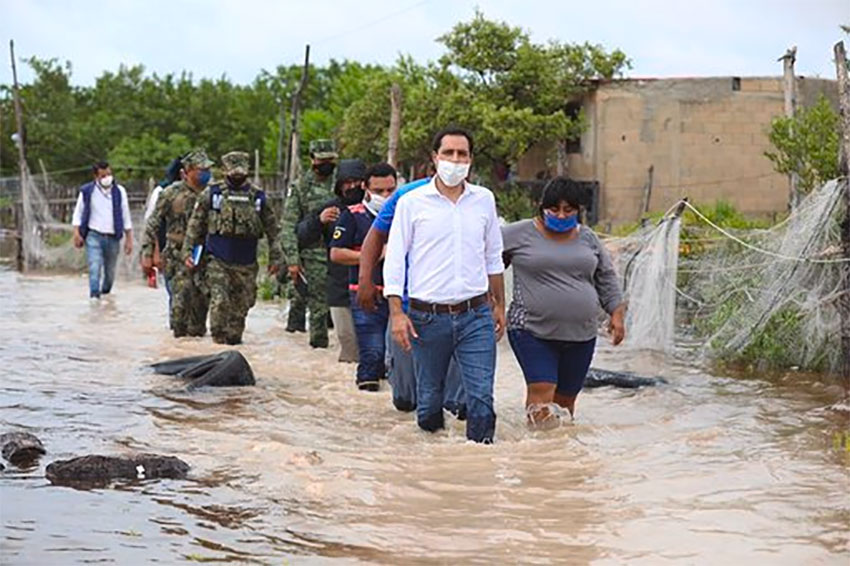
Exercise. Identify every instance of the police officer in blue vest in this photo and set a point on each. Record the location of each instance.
(101, 220)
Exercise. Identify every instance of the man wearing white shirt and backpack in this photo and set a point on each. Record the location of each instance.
(101, 219)
(448, 232)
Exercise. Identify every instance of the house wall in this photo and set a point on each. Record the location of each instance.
(705, 140)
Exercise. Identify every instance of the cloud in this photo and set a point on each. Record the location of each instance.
(239, 38)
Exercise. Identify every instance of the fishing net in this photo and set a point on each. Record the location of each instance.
(48, 243)
(766, 298)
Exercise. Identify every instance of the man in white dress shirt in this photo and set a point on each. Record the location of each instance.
(101, 219)
(448, 231)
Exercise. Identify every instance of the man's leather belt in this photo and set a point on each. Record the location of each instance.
(458, 308)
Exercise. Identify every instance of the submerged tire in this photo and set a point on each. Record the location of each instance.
(97, 469)
(625, 380)
(21, 447)
(232, 370)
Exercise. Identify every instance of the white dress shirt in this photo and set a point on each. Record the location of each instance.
(150, 204)
(451, 247)
(100, 216)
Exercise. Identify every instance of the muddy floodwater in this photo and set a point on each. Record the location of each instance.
(304, 469)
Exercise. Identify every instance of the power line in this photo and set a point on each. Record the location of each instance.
(372, 23)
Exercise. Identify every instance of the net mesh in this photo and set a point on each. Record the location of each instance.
(763, 298)
(48, 243)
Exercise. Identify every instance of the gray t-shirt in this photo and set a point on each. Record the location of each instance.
(559, 286)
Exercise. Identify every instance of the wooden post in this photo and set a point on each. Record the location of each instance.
(844, 168)
(281, 125)
(293, 130)
(257, 167)
(647, 191)
(22, 160)
(789, 87)
(561, 165)
(395, 124)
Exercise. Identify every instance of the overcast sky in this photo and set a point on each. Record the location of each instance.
(238, 38)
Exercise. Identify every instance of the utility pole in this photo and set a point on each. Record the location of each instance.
(789, 87)
(22, 159)
(293, 130)
(844, 169)
(395, 124)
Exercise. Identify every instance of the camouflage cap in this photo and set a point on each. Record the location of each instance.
(197, 158)
(236, 162)
(323, 149)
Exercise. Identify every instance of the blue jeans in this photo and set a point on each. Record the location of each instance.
(402, 378)
(371, 330)
(469, 337)
(102, 256)
(167, 281)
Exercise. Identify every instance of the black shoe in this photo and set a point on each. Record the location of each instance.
(368, 385)
(404, 406)
(233, 340)
(219, 339)
(295, 328)
(318, 344)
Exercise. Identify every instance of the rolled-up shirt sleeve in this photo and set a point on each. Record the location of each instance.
(398, 245)
(606, 281)
(77, 218)
(493, 242)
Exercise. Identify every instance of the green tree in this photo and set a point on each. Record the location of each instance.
(807, 145)
(493, 80)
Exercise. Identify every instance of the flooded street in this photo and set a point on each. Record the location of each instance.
(304, 469)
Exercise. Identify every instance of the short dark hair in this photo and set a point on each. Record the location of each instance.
(450, 131)
(382, 169)
(98, 166)
(563, 189)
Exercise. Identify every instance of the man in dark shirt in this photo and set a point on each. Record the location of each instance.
(348, 236)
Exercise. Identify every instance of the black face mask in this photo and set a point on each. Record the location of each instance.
(324, 169)
(353, 196)
(236, 181)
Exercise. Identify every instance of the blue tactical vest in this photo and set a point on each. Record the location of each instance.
(117, 213)
(233, 231)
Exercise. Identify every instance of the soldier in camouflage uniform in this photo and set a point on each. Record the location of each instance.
(190, 300)
(228, 220)
(313, 190)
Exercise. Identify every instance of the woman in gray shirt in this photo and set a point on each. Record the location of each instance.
(562, 276)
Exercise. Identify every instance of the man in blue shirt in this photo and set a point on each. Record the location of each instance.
(368, 298)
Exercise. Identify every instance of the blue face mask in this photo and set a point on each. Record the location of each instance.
(204, 177)
(560, 225)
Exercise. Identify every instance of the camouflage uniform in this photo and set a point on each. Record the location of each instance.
(306, 197)
(190, 298)
(228, 222)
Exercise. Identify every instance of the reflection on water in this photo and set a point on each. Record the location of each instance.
(305, 468)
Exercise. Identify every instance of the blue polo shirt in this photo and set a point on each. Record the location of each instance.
(384, 219)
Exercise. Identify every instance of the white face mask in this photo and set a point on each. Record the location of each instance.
(105, 182)
(375, 203)
(452, 174)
